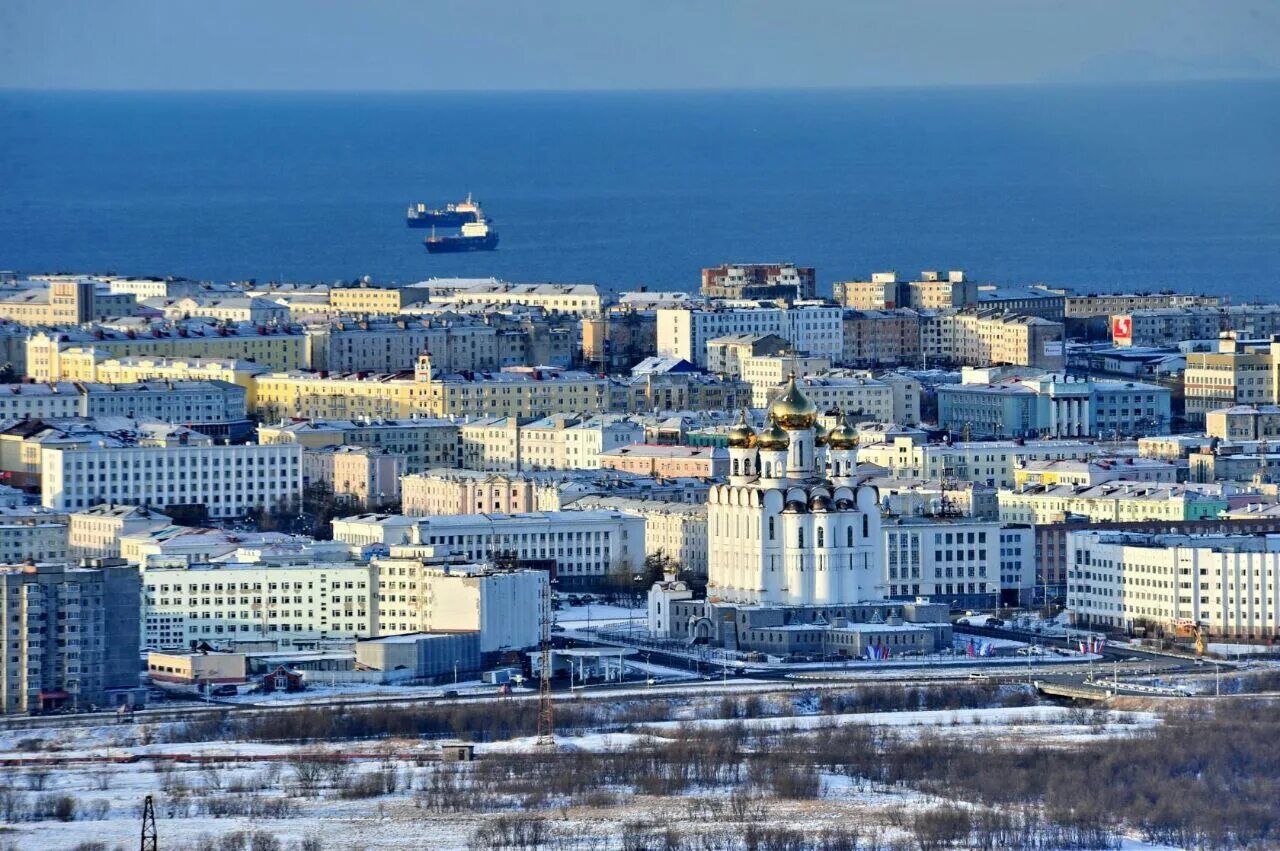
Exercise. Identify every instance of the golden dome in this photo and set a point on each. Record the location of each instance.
(742, 435)
(773, 437)
(844, 436)
(793, 409)
(820, 434)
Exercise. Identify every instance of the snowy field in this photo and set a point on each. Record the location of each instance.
(197, 801)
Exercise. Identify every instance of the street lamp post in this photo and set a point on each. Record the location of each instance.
(455, 672)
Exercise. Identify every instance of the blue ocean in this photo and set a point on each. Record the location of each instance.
(1141, 187)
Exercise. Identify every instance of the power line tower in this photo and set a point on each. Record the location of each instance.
(150, 842)
(546, 719)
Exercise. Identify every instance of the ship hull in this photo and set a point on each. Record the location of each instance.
(456, 244)
(440, 219)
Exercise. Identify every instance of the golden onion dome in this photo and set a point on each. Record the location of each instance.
(792, 408)
(742, 435)
(844, 436)
(820, 434)
(773, 437)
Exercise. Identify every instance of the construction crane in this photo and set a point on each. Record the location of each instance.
(150, 841)
(546, 718)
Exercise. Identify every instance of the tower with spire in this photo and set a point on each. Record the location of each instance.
(792, 526)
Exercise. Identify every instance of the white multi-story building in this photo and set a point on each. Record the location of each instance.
(577, 299)
(1226, 584)
(792, 526)
(856, 392)
(569, 442)
(813, 328)
(586, 546)
(767, 373)
(673, 530)
(907, 456)
(962, 562)
(417, 593)
(202, 402)
(286, 603)
(96, 531)
(230, 481)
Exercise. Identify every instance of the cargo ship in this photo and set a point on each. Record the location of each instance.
(475, 236)
(452, 216)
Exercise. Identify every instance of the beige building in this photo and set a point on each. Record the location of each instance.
(456, 344)
(726, 354)
(985, 337)
(422, 443)
(220, 307)
(907, 456)
(933, 291)
(201, 669)
(1165, 326)
(766, 373)
(367, 478)
(1111, 304)
(448, 491)
(490, 444)
(375, 301)
(854, 392)
(1243, 422)
(1238, 373)
(576, 299)
(273, 346)
(1113, 502)
(95, 532)
(668, 461)
(90, 364)
(58, 302)
(567, 442)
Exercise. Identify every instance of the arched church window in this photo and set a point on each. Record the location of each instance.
(849, 537)
(822, 538)
(770, 528)
(866, 526)
(801, 536)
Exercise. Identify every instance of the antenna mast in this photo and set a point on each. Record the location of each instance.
(150, 842)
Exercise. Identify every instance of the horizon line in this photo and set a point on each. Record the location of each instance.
(1020, 84)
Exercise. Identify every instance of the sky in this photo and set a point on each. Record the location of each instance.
(610, 44)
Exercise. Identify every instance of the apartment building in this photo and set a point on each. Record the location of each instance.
(32, 533)
(69, 638)
(891, 399)
(618, 339)
(933, 291)
(229, 481)
(684, 333)
(576, 299)
(906, 455)
(881, 338)
(982, 337)
(87, 364)
(274, 346)
(1165, 326)
(421, 442)
(677, 391)
(568, 442)
(196, 402)
(672, 530)
(1243, 422)
(364, 298)
(95, 532)
(1224, 583)
(288, 603)
(449, 491)
(963, 562)
(490, 443)
(646, 459)
(586, 546)
(1113, 304)
(760, 281)
(456, 343)
(1115, 501)
(725, 355)
(418, 593)
(220, 308)
(1238, 373)
(767, 373)
(1094, 471)
(359, 476)
(60, 302)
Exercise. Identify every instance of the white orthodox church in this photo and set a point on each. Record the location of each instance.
(792, 527)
